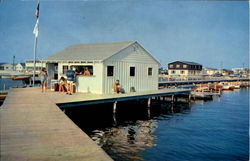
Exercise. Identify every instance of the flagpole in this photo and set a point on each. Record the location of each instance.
(35, 41)
(34, 61)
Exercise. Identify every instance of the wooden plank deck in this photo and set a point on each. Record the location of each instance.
(201, 81)
(33, 128)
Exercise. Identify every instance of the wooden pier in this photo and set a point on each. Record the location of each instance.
(185, 82)
(34, 128)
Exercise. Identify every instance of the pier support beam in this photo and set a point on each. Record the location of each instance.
(148, 108)
(114, 113)
(149, 102)
(172, 99)
(189, 97)
(114, 107)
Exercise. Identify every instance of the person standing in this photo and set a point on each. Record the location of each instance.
(43, 77)
(71, 74)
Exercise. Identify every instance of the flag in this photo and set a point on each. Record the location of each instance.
(37, 11)
(35, 31)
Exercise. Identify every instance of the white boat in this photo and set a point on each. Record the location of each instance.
(202, 93)
(227, 86)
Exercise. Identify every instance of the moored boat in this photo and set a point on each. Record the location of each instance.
(21, 77)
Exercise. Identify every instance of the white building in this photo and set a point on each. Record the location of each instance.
(127, 61)
(29, 65)
(20, 67)
(6, 67)
(210, 71)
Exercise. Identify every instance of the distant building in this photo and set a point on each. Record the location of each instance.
(210, 71)
(226, 72)
(20, 67)
(241, 71)
(128, 62)
(6, 67)
(29, 65)
(184, 68)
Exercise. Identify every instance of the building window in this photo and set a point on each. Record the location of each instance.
(171, 66)
(110, 71)
(178, 66)
(65, 68)
(150, 71)
(132, 71)
(86, 70)
(182, 72)
(184, 66)
(173, 72)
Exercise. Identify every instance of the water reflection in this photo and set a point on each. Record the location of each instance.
(129, 131)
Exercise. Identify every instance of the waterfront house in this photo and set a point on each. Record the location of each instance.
(210, 71)
(29, 65)
(6, 67)
(184, 68)
(20, 67)
(128, 62)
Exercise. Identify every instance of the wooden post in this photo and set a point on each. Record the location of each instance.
(114, 107)
(189, 97)
(114, 113)
(149, 102)
(172, 99)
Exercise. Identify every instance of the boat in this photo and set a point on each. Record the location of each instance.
(202, 93)
(5, 76)
(21, 77)
(236, 85)
(227, 86)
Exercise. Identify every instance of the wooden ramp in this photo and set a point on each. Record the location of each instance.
(33, 128)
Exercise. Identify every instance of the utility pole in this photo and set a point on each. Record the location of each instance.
(14, 63)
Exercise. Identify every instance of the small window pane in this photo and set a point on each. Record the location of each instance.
(150, 71)
(132, 71)
(110, 70)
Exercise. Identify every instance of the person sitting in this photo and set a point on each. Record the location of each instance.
(62, 85)
(117, 87)
(86, 72)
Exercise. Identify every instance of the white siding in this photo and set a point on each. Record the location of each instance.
(122, 63)
(91, 84)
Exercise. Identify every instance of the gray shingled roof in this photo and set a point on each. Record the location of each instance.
(97, 51)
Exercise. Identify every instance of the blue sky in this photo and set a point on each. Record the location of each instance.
(213, 33)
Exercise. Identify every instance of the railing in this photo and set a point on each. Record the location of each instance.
(166, 79)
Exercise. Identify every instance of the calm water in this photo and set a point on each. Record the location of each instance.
(7, 83)
(214, 130)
